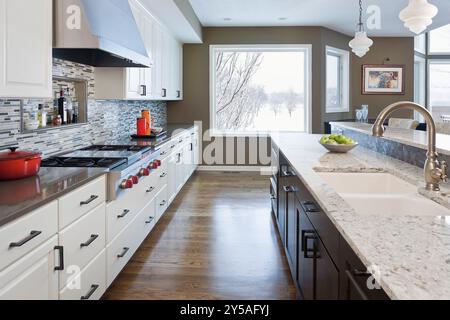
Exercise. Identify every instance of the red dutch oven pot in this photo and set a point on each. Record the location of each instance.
(16, 165)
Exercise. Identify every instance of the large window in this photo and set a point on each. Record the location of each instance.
(439, 41)
(337, 68)
(260, 89)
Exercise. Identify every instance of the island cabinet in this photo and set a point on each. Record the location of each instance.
(322, 264)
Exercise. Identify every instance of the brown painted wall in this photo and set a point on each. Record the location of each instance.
(400, 51)
(195, 106)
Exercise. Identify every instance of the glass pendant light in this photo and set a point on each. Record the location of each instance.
(418, 15)
(361, 43)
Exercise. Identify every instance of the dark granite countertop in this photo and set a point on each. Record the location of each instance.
(20, 197)
(173, 130)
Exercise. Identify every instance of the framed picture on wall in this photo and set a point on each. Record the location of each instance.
(383, 79)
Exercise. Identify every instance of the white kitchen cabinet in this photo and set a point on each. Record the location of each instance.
(26, 48)
(33, 277)
(161, 81)
(172, 178)
(90, 283)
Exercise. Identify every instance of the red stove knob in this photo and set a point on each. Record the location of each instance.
(126, 184)
(135, 179)
(144, 172)
(158, 162)
(154, 165)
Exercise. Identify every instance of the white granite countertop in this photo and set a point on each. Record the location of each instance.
(413, 138)
(412, 253)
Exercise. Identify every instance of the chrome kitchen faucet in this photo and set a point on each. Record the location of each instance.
(435, 172)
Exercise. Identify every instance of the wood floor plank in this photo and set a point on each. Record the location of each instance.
(216, 241)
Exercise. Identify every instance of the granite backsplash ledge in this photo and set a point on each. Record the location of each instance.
(107, 119)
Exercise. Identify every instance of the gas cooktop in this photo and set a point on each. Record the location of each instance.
(60, 162)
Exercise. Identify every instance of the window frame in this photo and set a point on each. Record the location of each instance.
(344, 80)
(306, 48)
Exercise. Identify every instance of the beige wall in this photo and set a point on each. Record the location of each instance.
(195, 106)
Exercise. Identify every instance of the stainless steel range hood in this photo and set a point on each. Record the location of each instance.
(99, 33)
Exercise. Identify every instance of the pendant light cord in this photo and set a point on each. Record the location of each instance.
(360, 24)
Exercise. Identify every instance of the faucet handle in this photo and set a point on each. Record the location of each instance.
(444, 167)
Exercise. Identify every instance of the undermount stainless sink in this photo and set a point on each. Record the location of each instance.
(381, 194)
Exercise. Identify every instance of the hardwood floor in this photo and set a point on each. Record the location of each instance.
(217, 241)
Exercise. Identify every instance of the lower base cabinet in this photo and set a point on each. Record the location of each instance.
(322, 264)
(33, 277)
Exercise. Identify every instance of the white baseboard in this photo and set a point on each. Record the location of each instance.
(234, 169)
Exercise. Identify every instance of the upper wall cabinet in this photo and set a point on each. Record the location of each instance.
(25, 48)
(162, 81)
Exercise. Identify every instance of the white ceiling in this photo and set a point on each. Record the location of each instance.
(339, 15)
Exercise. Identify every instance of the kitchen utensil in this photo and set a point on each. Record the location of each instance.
(339, 148)
(16, 165)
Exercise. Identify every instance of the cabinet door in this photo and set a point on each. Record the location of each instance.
(307, 244)
(356, 282)
(172, 177)
(134, 84)
(180, 170)
(33, 277)
(26, 48)
(166, 65)
(291, 229)
(327, 275)
(157, 68)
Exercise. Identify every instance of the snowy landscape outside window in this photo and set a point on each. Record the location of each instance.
(260, 89)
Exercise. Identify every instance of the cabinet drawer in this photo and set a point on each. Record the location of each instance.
(81, 201)
(145, 222)
(161, 203)
(33, 277)
(23, 235)
(120, 251)
(165, 150)
(163, 174)
(90, 284)
(82, 241)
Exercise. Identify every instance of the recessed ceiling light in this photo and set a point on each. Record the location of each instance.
(226, 19)
(282, 19)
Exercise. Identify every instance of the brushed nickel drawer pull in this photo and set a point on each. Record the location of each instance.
(163, 175)
(33, 234)
(150, 190)
(92, 198)
(124, 214)
(150, 220)
(89, 242)
(124, 252)
(94, 288)
(163, 203)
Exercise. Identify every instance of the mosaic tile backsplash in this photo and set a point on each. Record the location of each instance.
(108, 120)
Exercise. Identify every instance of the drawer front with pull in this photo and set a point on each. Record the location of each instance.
(90, 284)
(119, 251)
(23, 235)
(145, 222)
(81, 201)
(161, 203)
(82, 241)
